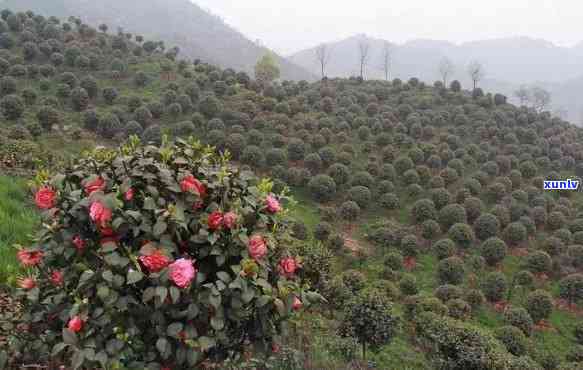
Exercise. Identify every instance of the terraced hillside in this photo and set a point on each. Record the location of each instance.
(427, 226)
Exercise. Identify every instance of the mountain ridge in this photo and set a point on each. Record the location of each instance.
(199, 34)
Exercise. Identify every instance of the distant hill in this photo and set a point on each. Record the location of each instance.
(178, 22)
(509, 62)
(515, 60)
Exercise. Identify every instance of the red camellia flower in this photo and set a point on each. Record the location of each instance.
(100, 214)
(297, 304)
(155, 262)
(57, 278)
(27, 283)
(257, 248)
(45, 198)
(272, 204)
(230, 220)
(95, 185)
(75, 324)
(287, 266)
(107, 232)
(129, 195)
(190, 184)
(29, 257)
(215, 220)
(79, 243)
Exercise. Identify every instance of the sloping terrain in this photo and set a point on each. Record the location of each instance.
(427, 197)
(177, 22)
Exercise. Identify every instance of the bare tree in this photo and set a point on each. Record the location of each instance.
(386, 59)
(446, 69)
(363, 54)
(522, 94)
(323, 57)
(541, 98)
(476, 72)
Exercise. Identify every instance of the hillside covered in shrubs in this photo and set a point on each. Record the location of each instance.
(417, 211)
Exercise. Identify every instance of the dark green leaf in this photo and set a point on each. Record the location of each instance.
(193, 357)
(58, 348)
(108, 247)
(77, 360)
(134, 276)
(192, 311)
(85, 276)
(70, 337)
(149, 204)
(217, 323)
(103, 292)
(159, 228)
(224, 277)
(206, 343)
(174, 329)
(101, 357)
(263, 300)
(162, 345)
(107, 276)
(162, 292)
(149, 294)
(248, 295)
(174, 294)
(215, 300)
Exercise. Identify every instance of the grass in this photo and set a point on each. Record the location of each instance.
(17, 220)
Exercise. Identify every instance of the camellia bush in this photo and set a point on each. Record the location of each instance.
(157, 258)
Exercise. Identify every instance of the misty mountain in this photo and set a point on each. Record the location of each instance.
(198, 33)
(508, 62)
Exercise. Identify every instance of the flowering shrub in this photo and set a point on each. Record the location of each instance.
(158, 257)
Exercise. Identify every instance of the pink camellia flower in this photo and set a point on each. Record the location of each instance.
(29, 257)
(75, 324)
(257, 248)
(45, 198)
(182, 272)
(27, 283)
(155, 262)
(215, 220)
(230, 220)
(297, 304)
(190, 184)
(129, 195)
(95, 185)
(287, 266)
(57, 278)
(79, 243)
(99, 213)
(275, 348)
(272, 204)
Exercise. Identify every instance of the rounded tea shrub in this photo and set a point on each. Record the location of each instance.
(539, 305)
(153, 257)
(520, 318)
(444, 248)
(513, 339)
(451, 271)
(494, 251)
(494, 286)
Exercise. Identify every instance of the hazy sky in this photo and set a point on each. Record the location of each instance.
(291, 25)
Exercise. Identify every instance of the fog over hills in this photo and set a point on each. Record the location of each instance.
(198, 33)
(508, 62)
